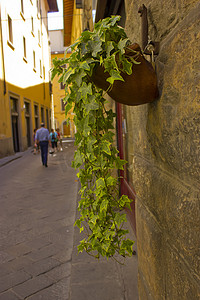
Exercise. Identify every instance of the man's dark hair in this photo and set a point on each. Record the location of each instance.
(42, 124)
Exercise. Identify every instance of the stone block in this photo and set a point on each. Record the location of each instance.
(64, 255)
(19, 250)
(32, 286)
(179, 285)
(57, 291)
(41, 266)
(93, 272)
(144, 292)
(12, 280)
(150, 244)
(183, 224)
(100, 290)
(8, 296)
(45, 252)
(175, 206)
(60, 272)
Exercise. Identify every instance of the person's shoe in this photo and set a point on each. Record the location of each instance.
(46, 165)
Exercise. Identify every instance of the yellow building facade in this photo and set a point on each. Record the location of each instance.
(25, 94)
(60, 40)
(77, 17)
(67, 128)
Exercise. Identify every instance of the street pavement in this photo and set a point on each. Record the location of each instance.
(38, 241)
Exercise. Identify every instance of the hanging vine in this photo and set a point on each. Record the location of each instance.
(101, 207)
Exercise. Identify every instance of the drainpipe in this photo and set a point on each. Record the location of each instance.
(52, 113)
(2, 52)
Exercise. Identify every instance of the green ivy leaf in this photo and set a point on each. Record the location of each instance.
(68, 73)
(127, 66)
(78, 77)
(106, 147)
(127, 245)
(94, 47)
(92, 105)
(85, 66)
(119, 219)
(114, 20)
(85, 90)
(122, 44)
(78, 159)
(111, 181)
(104, 205)
(100, 183)
(109, 48)
(68, 107)
(115, 75)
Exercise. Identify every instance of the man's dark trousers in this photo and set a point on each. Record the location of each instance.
(44, 151)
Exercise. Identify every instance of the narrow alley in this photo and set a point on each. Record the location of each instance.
(38, 256)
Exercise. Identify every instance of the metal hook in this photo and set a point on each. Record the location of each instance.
(144, 33)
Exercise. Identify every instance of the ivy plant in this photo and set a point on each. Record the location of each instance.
(101, 206)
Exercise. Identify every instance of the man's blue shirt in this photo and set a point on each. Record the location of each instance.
(42, 134)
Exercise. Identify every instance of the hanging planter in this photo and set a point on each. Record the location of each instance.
(102, 61)
(138, 88)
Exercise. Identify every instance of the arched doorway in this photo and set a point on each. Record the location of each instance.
(66, 129)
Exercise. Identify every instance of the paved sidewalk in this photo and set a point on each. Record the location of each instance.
(38, 256)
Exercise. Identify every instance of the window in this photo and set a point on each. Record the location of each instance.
(24, 45)
(27, 108)
(40, 68)
(22, 6)
(62, 86)
(63, 104)
(10, 32)
(34, 63)
(79, 4)
(13, 105)
(38, 36)
(38, 8)
(36, 116)
(47, 118)
(42, 114)
(44, 72)
(32, 24)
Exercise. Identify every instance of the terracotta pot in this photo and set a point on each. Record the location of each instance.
(138, 88)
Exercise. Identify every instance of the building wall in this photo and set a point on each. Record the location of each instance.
(24, 81)
(77, 22)
(59, 113)
(56, 38)
(164, 153)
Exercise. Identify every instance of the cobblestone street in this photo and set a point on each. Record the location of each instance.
(38, 256)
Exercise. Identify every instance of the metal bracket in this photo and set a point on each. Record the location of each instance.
(144, 33)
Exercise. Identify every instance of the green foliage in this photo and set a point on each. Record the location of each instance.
(101, 207)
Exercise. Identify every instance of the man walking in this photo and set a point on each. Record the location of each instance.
(42, 137)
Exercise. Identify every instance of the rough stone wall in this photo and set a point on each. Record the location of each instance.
(164, 153)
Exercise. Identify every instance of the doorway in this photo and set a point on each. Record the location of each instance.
(27, 118)
(66, 129)
(15, 133)
(15, 123)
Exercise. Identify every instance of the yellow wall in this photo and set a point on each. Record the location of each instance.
(23, 81)
(76, 24)
(59, 114)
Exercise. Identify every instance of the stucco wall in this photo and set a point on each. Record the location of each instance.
(164, 153)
